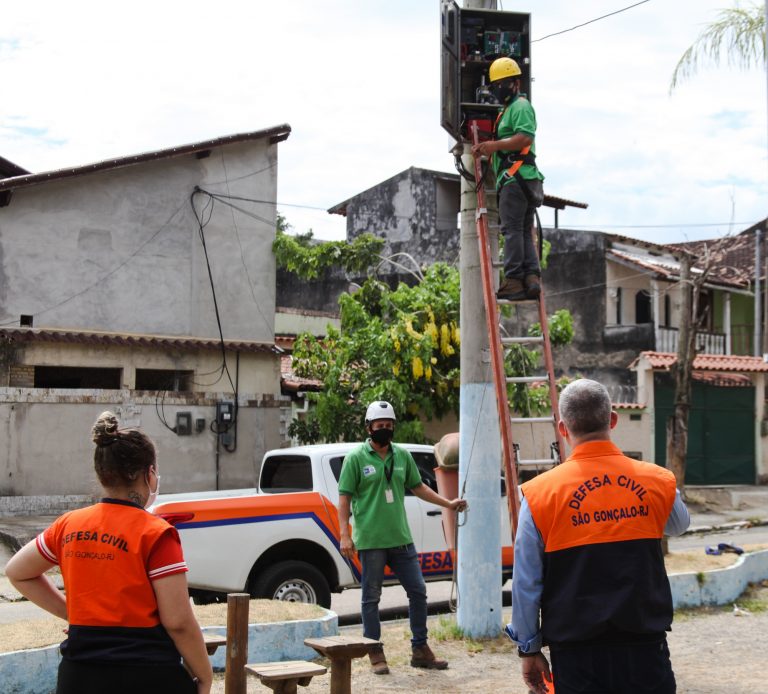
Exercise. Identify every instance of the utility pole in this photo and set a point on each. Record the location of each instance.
(479, 542)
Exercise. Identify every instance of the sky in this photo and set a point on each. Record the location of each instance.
(359, 85)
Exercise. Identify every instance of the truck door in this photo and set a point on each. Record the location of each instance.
(432, 539)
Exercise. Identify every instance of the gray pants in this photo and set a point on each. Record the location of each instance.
(520, 257)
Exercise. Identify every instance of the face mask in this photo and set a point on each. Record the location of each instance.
(505, 91)
(382, 437)
(152, 495)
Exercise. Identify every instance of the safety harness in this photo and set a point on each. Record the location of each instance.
(512, 162)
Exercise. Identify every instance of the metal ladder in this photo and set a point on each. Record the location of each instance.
(510, 450)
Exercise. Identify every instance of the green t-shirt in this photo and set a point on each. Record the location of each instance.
(378, 525)
(517, 117)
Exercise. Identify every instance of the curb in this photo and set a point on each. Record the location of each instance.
(719, 586)
(725, 527)
(34, 671)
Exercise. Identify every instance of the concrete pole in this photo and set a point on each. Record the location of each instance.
(758, 349)
(479, 542)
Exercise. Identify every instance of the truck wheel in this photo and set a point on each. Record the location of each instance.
(292, 581)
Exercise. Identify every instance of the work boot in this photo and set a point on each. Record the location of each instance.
(532, 286)
(422, 656)
(378, 661)
(512, 289)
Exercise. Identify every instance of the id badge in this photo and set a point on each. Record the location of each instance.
(389, 496)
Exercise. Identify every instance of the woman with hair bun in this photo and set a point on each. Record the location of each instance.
(127, 604)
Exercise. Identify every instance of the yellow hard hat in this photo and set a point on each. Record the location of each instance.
(502, 68)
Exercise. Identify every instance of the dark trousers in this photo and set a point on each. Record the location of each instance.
(642, 668)
(123, 678)
(404, 562)
(516, 212)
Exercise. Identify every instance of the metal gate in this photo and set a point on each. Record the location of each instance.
(721, 432)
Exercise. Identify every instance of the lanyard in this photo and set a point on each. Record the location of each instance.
(389, 470)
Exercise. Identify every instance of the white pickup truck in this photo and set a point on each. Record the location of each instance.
(281, 539)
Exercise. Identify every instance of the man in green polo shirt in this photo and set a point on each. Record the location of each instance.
(518, 181)
(372, 484)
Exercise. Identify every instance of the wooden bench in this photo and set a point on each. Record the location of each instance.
(340, 650)
(213, 641)
(283, 678)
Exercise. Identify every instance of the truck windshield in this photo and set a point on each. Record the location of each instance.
(281, 474)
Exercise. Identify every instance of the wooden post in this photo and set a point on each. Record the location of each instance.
(237, 643)
(341, 676)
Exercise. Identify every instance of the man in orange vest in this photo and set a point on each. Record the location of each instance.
(518, 181)
(588, 559)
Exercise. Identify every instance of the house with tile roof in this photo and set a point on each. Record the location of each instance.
(625, 299)
(143, 284)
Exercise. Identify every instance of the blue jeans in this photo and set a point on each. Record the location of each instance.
(404, 562)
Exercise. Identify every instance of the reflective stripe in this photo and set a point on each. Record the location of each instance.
(43, 549)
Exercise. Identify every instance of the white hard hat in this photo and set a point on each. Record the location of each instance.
(379, 410)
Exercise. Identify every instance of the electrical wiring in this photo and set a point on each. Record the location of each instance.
(202, 222)
(160, 410)
(591, 21)
(269, 325)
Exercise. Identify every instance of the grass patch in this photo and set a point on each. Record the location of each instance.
(447, 629)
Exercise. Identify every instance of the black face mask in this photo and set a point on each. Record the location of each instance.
(382, 437)
(504, 91)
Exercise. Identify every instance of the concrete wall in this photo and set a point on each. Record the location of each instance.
(120, 250)
(46, 449)
(258, 372)
(416, 211)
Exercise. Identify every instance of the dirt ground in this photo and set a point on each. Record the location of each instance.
(713, 652)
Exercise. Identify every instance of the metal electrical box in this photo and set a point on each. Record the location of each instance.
(470, 41)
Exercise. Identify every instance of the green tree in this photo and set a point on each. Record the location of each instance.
(738, 35)
(400, 345)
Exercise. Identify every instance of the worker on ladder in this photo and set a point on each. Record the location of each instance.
(518, 181)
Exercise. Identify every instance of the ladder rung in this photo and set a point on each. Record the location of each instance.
(522, 340)
(497, 263)
(518, 301)
(536, 463)
(525, 379)
(524, 420)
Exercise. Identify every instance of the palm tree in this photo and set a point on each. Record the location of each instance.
(738, 32)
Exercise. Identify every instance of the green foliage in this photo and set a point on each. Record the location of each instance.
(560, 326)
(533, 399)
(306, 258)
(738, 34)
(398, 345)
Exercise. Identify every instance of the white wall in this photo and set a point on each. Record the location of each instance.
(120, 250)
(46, 449)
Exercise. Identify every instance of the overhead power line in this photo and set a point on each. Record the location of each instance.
(591, 21)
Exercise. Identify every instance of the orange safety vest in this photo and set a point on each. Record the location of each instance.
(103, 552)
(601, 516)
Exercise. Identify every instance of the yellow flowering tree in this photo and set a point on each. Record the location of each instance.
(400, 345)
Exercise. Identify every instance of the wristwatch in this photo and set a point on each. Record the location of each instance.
(523, 654)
